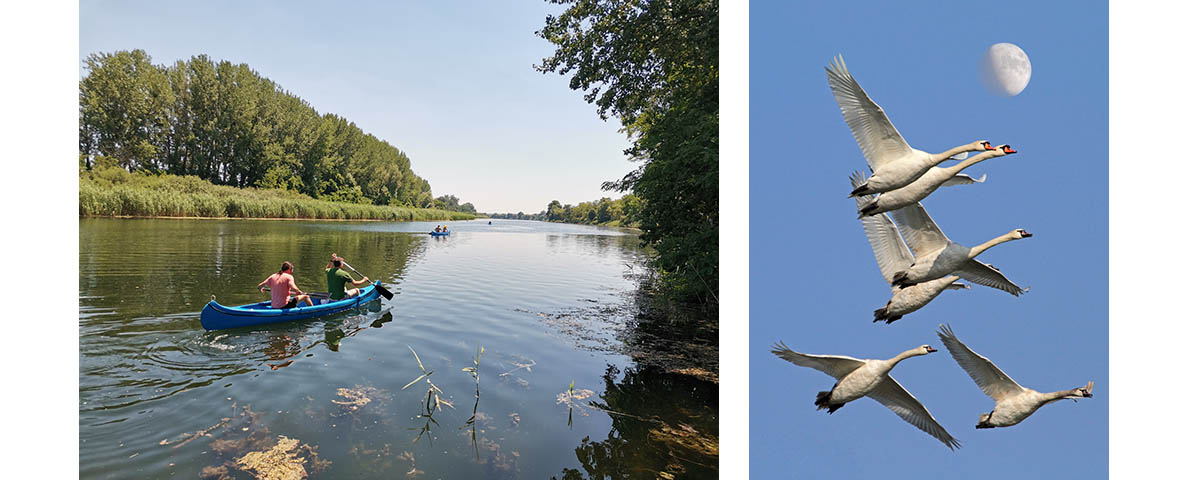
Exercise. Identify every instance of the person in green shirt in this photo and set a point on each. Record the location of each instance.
(337, 279)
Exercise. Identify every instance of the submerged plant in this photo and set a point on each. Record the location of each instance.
(474, 371)
(433, 400)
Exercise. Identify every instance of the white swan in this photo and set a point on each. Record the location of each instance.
(858, 378)
(927, 183)
(894, 257)
(1013, 402)
(893, 163)
(936, 256)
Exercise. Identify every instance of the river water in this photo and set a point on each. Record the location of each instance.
(565, 389)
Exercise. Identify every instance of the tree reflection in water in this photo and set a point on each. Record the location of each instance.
(672, 434)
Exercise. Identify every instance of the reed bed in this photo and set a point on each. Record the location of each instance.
(116, 193)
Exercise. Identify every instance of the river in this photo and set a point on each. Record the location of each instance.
(566, 388)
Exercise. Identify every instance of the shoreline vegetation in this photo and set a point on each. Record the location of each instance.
(605, 212)
(224, 124)
(114, 192)
(654, 67)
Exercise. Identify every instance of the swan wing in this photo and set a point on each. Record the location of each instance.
(993, 381)
(918, 230)
(890, 252)
(978, 272)
(876, 137)
(963, 179)
(836, 366)
(905, 405)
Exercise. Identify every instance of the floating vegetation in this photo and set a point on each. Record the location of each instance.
(381, 463)
(186, 438)
(527, 365)
(247, 445)
(571, 397)
(521, 363)
(356, 397)
(278, 463)
(636, 326)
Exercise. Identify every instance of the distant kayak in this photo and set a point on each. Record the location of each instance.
(439, 234)
(218, 317)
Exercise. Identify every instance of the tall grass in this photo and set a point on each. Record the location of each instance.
(112, 192)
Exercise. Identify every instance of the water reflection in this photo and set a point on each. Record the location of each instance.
(656, 432)
(549, 311)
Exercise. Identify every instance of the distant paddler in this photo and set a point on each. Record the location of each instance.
(336, 278)
(282, 285)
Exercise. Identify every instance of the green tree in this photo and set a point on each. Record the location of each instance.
(654, 66)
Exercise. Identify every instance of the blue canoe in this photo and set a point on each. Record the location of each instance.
(439, 234)
(218, 317)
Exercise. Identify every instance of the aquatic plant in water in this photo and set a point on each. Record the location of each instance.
(474, 371)
(433, 400)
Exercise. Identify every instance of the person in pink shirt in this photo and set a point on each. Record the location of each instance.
(282, 286)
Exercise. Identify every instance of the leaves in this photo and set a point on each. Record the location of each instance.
(226, 124)
(654, 66)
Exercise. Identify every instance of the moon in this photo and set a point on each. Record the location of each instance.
(1005, 69)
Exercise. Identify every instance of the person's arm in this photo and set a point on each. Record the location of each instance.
(362, 281)
(293, 288)
(264, 282)
(330, 264)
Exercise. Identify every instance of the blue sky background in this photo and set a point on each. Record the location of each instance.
(814, 282)
(449, 83)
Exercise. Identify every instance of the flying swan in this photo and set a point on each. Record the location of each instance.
(1013, 402)
(894, 164)
(927, 183)
(858, 378)
(935, 256)
(894, 257)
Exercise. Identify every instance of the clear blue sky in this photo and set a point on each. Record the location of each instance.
(814, 282)
(449, 83)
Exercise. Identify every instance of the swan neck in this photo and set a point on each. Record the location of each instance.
(978, 249)
(941, 157)
(958, 167)
(903, 355)
(1056, 396)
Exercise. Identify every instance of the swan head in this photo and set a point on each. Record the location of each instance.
(1085, 392)
(1019, 234)
(982, 145)
(926, 350)
(1005, 150)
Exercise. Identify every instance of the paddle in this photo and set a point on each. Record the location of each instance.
(382, 291)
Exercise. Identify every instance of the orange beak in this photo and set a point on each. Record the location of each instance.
(1008, 149)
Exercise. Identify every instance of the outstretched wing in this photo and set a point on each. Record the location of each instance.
(919, 231)
(898, 400)
(836, 366)
(890, 252)
(978, 272)
(963, 179)
(876, 137)
(993, 381)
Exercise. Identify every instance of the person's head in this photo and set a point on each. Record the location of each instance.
(337, 262)
(286, 267)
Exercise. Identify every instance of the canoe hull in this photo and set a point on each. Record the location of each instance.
(439, 234)
(219, 317)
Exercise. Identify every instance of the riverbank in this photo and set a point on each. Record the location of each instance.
(115, 192)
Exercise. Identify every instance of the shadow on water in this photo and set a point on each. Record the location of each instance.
(664, 408)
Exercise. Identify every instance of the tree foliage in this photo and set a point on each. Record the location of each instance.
(622, 212)
(227, 124)
(653, 64)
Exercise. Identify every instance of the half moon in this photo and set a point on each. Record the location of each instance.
(1005, 69)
